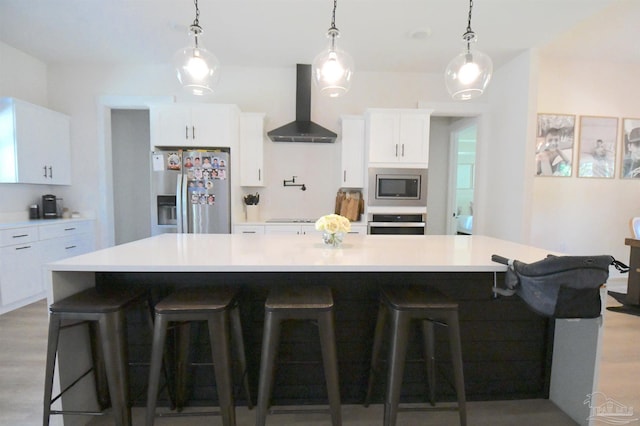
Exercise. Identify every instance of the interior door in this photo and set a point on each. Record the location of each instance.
(463, 137)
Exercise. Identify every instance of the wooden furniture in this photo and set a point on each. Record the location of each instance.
(546, 359)
(633, 283)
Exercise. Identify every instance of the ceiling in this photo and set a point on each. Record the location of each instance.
(381, 35)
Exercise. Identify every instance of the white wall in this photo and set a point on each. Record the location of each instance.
(503, 201)
(586, 215)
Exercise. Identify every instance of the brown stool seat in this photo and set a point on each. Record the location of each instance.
(199, 300)
(298, 303)
(219, 308)
(103, 310)
(402, 304)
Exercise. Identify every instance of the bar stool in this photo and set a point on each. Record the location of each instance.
(217, 306)
(104, 312)
(298, 303)
(404, 304)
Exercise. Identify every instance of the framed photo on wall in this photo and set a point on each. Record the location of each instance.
(598, 142)
(631, 149)
(554, 144)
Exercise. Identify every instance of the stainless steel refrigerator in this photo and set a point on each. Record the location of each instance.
(190, 191)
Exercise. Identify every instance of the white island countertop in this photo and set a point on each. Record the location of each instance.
(302, 253)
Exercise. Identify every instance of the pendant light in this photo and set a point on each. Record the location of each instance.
(468, 74)
(198, 69)
(333, 67)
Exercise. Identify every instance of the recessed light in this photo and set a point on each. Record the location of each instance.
(420, 33)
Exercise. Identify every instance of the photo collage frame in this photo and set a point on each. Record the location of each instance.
(605, 147)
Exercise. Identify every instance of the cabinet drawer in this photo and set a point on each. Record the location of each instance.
(13, 236)
(62, 248)
(248, 229)
(58, 230)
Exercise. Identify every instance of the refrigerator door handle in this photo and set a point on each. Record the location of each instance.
(181, 204)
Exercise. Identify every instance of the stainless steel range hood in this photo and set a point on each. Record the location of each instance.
(303, 129)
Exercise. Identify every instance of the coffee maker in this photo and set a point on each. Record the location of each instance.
(49, 207)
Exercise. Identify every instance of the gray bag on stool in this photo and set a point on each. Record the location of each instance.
(559, 286)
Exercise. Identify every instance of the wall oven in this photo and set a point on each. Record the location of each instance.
(396, 224)
(396, 187)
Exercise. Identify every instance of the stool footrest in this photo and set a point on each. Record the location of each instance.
(77, 413)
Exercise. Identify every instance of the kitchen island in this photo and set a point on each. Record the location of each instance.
(508, 351)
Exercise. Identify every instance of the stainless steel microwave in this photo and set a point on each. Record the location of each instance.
(397, 187)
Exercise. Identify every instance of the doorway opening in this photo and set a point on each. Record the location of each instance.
(463, 136)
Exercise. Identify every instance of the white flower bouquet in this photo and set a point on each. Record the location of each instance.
(333, 224)
(333, 227)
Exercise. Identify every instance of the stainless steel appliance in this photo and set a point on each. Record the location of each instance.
(395, 187)
(49, 207)
(397, 224)
(190, 191)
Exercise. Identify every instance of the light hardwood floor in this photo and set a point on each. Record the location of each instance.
(22, 356)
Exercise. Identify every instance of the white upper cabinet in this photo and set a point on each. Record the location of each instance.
(398, 137)
(352, 140)
(35, 144)
(194, 126)
(251, 149)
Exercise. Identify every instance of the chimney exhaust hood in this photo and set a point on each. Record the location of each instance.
(303, 129)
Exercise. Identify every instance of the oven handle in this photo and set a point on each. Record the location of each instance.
(397, 224)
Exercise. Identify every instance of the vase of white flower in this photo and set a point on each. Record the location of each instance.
(333, 227)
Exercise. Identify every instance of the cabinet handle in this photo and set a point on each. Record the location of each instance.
(70, 247)
(186, 132)
(248, 232)
(396, 150)
(69, 229)
(193, 132)
(23, 248)
(51, 172)
(45, 171)
(344, 176)
(403, 150)
(259, 175)
(20, 236)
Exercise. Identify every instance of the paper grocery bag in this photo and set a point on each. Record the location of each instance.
(340, 197)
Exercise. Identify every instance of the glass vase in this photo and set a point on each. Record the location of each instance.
(332, 239)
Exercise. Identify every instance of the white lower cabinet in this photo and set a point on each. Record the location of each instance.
(290, 229)
(248, 229)
(358, 229)
(25, 250)
(20, 268)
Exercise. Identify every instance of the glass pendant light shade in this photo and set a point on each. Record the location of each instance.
(332, 71)
(198, 69)
(333, 67)
(468, 74)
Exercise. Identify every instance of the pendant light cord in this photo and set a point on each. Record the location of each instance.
(333, 17)
(196, 22)
(195, 27)
(469, 35)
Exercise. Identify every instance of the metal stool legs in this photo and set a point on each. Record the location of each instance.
(218, 307)
(113, 342)
(300, 304)
(429, 314)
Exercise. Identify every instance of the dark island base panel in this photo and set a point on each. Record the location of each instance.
(506, 347)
